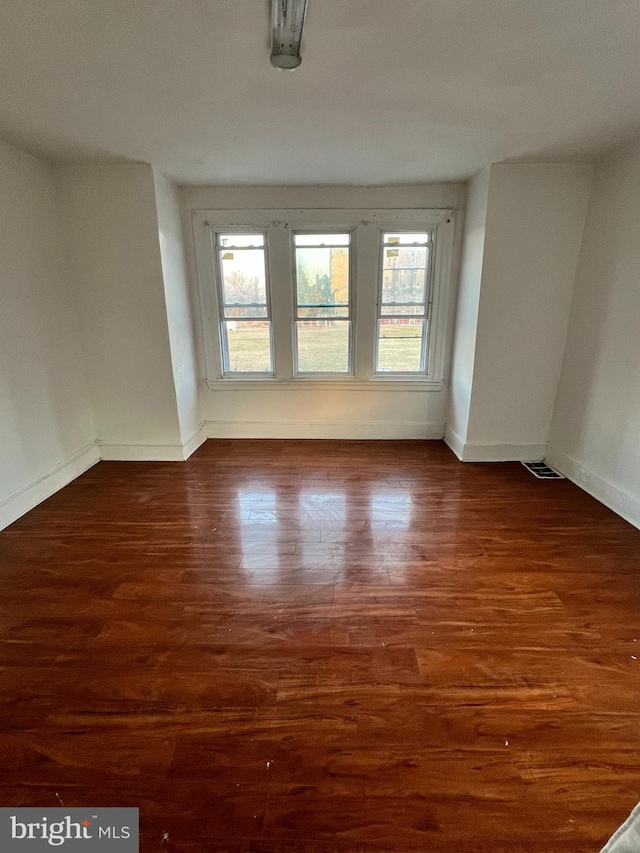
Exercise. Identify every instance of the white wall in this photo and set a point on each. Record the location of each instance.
(322, 412)
(111, 228)
(46, 431)
(534, 222)
(254, 198)
(468, 304)
(178, 302)
(595, 436)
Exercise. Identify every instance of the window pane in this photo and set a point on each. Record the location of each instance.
(400, 345)
(322, 276)
(243, 276)
(244, 312)
(403, 285)
(248, 346)
(323, 311)
(321, 239)
(403, 310)
(241, 239)
(405, 257)
(323, 346)
(421, 237)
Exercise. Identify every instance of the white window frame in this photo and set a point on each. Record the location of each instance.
(366, 227)
(222, 332)
(426, 317)
(299, 374)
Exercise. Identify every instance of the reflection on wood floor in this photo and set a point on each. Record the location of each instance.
(325, 646)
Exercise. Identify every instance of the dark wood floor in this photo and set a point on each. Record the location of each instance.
(325, 646)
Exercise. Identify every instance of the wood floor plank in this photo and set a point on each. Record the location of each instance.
(326, 646)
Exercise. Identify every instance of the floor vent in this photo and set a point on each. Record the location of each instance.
(542, 471)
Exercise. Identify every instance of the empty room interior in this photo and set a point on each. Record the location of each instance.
(320, 425)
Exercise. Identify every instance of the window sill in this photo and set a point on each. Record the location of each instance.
(307, 384)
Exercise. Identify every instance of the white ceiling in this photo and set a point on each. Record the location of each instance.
(388, 92)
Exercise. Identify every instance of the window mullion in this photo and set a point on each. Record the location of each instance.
(280, 255)
(366, 291)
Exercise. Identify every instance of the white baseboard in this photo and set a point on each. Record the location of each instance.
(504, 452)
(493, 452)
(384, 430)
(619, 500)
(26, 498)
(192, 444)
(141, 451)
(454, 442)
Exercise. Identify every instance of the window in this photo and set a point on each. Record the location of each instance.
(323, 316)
(298, 298)
(403, 303)
(245, 321)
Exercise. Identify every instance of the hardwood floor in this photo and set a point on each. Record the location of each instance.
(325, 646)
